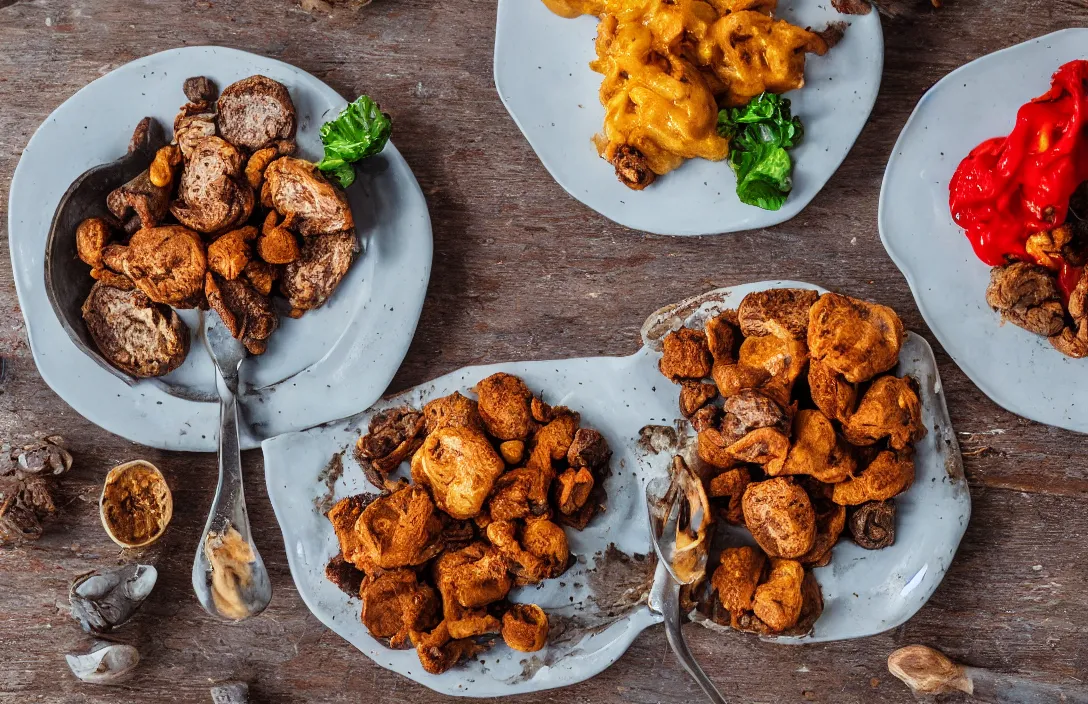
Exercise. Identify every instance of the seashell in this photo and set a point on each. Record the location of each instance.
(137, 492)
(107, 663)
(104, 601)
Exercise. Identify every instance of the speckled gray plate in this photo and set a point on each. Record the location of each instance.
(543, 77)
(1016, 369)
(598, 607)
(328, 364)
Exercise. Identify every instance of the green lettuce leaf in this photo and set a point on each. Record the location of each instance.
(361, 130)
(760, 133)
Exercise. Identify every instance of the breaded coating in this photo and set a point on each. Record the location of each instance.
(167, 263)
(721, 338)
(395, 603)
(856, 339)
(525, 627)
(398, 530)
(777, 602)
(831, 392)
(889, 409)
(504, 406)
(459, 466)
(738, 574)
(572, 490)
(92, 236)
(540, 551)
(438, 652)
(769, 364)
(685, 354)
(512, 451)
(780, 516)
(890, 474)
(277, 244)
(452, 411)
(817, 451)
(783, 312)
(229, 254)
(694, 395)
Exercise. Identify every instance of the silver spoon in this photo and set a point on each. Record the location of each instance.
(241, 589)
(664, 506)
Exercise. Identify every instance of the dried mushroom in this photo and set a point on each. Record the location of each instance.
(739, 572)
(439, 652)
(780, 516)
(817, 450)
(310, 204)
(229, 254)
(455, 410)
(1073, 340)
(831, 392)
(1027, 296)
(873, 524)
(398, 530)
(103, 601)
(308, 281)
(136, 504)
(777, 601)
(135, 334)
(459, 466)
(730, 485)
(140, 198)
(504, 406)
(277, 244)
(694, 395)
(890, 474)
(257, 112)
(166, 263)
(106, 663)
(246, 314)
(395, 603)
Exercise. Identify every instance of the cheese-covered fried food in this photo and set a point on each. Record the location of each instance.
(889, 409)
(504, 406)
(856, 339)
(891, 473)
(396, 603)
(737, 577)
(459, 466)
(780, 516)
(777, 602)
(817, 450)
(670, 65)
(525, 627)
(782, 312)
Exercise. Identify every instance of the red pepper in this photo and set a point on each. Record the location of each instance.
(1009, 188)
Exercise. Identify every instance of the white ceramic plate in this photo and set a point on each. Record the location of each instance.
(865, 592)
(331, 362)
(1016, 369)
(543, 77)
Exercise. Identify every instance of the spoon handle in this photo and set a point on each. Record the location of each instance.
(679, 645)
(1007, 688)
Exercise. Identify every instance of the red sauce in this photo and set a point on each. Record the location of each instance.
(1009, 188)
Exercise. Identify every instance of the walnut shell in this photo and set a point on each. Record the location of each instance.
(136, 490)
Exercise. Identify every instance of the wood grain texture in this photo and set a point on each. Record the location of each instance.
(522, 271)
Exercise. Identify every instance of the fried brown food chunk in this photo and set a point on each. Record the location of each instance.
(856, 339)
(510, 498)
(395, 603)
(891, 473)
(721, 338)
(460, 466)
(889, 409)
(685, 354)
(346, 576)
(133, 333)
(1073, 340)
(512, 451)
(311, 279)
(277, 244)
(694, 395)
(780, 516)
(573, 489)
(750, 410)
(453, 411)
(473, 576)
(258, 162)
(588, 449)
(261, 275)
(398, 530)
(737, 577)
(777, 602)
(873, 524)
(632, 168)
(92, 236)
(438, 652)
(504, 406)
(768, 364)
(782, 312)
(256, 112)
(247, 314)
(817, 450)
(309, 203)
(194, 121)
(830, 522)
(1027, 296)
(537, 552)
(229, 254)
(149, 202)
(525, 627)
(392, 436)
(199, 89)
(831, 392)
(213, 194)
(730, 485)
(167, 263)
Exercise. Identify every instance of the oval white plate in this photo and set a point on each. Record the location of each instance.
(329, 363)
(543, 77)
(1019, 371)
(865, 592)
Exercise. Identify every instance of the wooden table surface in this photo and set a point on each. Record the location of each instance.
(522, 271)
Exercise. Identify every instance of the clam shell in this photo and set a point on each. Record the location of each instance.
(104, 601)
(166, 502)
(107, 663)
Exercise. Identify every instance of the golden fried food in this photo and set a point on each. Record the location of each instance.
(694, 395)
(213, 194)
(589, 449)
(473, 576)
(258, 162)
(525, 627)
(856, 339)
(737, 577)
(721, 338)
(161, 171)
(777, 602)
(398, 530)
(780, 516)
(510, 497)
(768, 364)
(730, 485)
(277, 244)
(512, 451)
(668, 66)
(889, 409)
(750, 410)
(247, 314)
(782, 312)
(439, 652)
(167, 263)
(459, 466)
(393, 435)
(395, 603)
(817, 451)
(831, 392)
(685, 354)
(229, 253)
(573, 490)
(540, 551)
(92, 235)
(767, 447)
(890, 474)
(455, 410)
(309, 203)
(830, 522)
(504, 406)
(261, 275)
